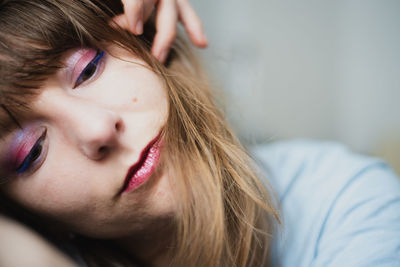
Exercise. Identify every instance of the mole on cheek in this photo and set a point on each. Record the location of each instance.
(134, 100)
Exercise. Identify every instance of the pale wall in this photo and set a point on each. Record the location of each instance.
(314, 69)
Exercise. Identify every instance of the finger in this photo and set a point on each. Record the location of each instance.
(121, 20)
(133, 10)
(191, 23)
(166, 20)
(148, 8)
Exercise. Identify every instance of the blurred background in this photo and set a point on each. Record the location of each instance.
(326, 70)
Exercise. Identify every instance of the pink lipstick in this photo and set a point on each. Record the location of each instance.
(141, 171)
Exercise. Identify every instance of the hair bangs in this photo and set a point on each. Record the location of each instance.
(34, 36)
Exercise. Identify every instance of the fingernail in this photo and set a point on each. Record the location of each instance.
(139, 27)
(163, 56)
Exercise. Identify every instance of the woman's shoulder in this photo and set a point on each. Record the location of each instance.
(21, 246)
(335, 204)
(302, 163)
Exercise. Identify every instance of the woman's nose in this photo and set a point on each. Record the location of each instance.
(100, 135)
(94, 128)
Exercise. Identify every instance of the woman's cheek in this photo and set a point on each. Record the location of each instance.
(53, 193)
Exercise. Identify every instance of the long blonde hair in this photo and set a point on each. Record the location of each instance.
(225, 214)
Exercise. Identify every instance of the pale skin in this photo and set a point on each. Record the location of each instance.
(17, 239)
(104, 133)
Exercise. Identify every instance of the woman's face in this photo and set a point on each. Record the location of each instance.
(89, 152)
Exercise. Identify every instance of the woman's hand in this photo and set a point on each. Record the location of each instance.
(168, 12)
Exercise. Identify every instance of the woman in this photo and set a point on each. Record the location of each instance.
(120, 160)
(115, 156)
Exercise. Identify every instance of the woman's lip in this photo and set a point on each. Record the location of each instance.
(140, 171)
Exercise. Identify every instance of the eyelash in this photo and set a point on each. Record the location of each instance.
(87, 72)
(33, 155)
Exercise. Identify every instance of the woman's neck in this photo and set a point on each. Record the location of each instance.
(153, 245)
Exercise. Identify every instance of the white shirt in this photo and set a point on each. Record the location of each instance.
(338, 208)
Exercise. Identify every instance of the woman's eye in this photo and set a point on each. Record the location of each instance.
(33, 155)
(90, 69)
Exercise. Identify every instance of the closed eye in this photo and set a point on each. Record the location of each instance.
(33, 155)
(90, 70)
